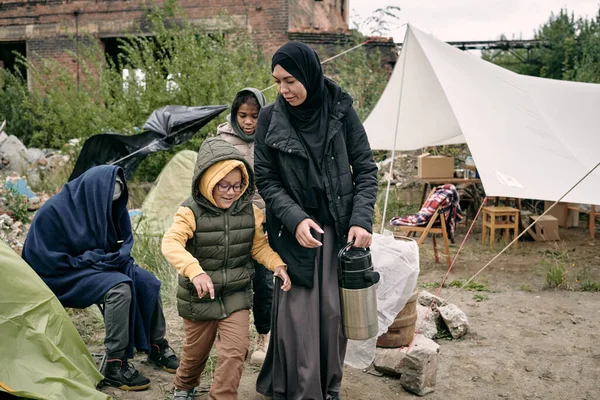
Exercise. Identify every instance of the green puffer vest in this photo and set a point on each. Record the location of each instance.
(222, 244)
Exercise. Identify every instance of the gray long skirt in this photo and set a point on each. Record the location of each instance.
(305, 359)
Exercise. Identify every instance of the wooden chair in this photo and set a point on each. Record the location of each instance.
(505, 218)
(592, 215)
(433, 230)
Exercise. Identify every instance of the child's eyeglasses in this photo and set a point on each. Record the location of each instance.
(224, 187)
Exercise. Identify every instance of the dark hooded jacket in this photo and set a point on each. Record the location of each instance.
(281, 167)
(228, 132)
(222, 242)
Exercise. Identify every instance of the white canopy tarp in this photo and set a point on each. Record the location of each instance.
(530, 137)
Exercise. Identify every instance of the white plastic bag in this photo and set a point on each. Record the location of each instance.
(397, 262)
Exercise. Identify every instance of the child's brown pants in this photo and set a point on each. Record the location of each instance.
(232, 346)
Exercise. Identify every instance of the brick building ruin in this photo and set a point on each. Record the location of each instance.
(47, 27)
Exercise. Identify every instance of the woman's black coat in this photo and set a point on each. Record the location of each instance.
(281, 166)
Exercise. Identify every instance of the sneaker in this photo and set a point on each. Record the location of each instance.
(163, 356)
(260, 349)
(123, 375)
(183, 394)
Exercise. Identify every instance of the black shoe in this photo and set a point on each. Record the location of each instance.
(163, 356)
(123, 375)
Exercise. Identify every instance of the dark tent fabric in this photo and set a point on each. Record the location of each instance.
(166, 127)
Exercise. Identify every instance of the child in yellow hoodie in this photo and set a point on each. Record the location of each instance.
(215, 234)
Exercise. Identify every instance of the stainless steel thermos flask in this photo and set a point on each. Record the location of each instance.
(358, 298)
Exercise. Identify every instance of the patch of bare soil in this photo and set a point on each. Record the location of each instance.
(525, 341)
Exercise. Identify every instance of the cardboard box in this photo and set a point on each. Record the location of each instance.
(559, 212)
(435, 166)
(545, 228)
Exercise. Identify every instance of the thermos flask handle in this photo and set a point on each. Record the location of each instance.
(342, 251)
(345, 248)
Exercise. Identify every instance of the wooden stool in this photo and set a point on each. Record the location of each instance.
(506, 218)
(592, 215)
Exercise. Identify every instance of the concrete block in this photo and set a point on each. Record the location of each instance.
(425, 299)
(429, 326)
(388, 361)
(419, 368)
(455, 319)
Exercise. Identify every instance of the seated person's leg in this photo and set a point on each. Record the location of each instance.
(117, 371)
(117, 306)
(161, 354)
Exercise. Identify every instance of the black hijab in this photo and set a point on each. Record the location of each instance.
(303, 63)
(311, 118)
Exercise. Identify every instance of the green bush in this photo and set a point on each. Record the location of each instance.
(13, 105)
(556, 277)
(16, 204)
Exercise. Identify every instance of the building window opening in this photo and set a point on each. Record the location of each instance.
(113, 51)
(9, 57)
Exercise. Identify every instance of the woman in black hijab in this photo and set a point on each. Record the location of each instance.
(315, 170)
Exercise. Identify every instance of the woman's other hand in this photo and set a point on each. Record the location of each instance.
(362, 238)
(204, 285)
(303, 235)
(281, 273)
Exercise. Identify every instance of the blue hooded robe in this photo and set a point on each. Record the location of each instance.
(80, 244)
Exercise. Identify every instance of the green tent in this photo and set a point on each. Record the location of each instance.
(42, 355)
(172, 187)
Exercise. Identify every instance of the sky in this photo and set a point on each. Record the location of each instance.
(469, 20)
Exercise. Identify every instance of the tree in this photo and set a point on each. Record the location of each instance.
(571, 50)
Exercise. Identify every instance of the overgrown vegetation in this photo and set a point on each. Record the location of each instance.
(473, 286)
(585, 283)
(182, 63)
(556, 276)
(16, 204)
(480, 297)
(555, 264)
(147, 254)
(561, 271)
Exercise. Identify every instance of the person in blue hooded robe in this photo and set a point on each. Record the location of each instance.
(80, 244)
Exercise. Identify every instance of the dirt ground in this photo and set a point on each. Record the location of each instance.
(525, 341)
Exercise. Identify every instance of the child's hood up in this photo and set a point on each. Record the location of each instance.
(216, 158)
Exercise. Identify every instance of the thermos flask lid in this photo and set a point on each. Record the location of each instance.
(356, 260)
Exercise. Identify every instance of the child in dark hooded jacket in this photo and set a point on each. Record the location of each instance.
(214, 237)
(239, 131)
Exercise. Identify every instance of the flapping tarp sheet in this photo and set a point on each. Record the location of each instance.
(165, 128)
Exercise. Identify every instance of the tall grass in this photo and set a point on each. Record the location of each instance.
(148, 255)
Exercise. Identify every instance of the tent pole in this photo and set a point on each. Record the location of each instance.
(389, 180)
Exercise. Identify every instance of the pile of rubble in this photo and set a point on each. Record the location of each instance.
(17, 159)
(12, 232)
(17, 201)
(21, 168)
(416, 364)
